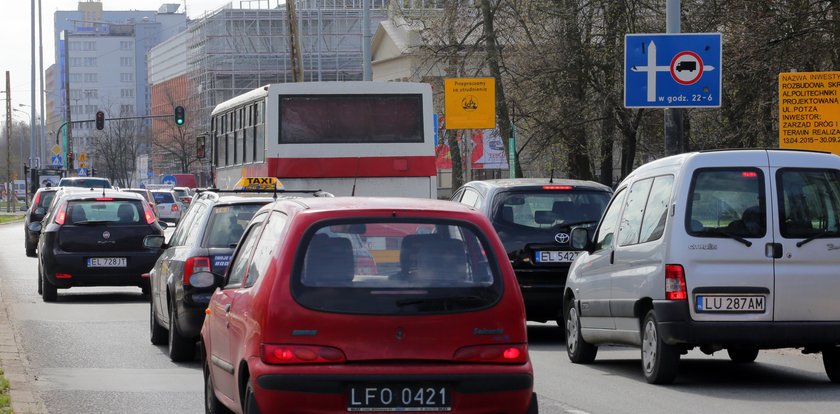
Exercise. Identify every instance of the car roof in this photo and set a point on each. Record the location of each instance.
(376, 203)
(537, 183)
(107, 193)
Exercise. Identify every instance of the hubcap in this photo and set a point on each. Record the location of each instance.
(649, 346)
(572, 330)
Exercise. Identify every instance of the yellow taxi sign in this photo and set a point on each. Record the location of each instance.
(258, 183)
(809, 111)
(470, 103)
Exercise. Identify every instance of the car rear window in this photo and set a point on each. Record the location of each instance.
(46, 198)
(141, 192)
(395, 268)
(85, 182)
(548, 209)
(163, 197)
(227, 223)
(104, 211)
(181, 193)
(727, 201)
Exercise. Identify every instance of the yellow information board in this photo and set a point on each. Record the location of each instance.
(258, 183)
(809, 111)
(470, 103)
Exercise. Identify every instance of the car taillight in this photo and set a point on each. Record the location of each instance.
(174, 207)
(300, 354)
(195, 265)
(148, 213)
(188, 200)
(501, 354)
(61, 214)
(557, 187)
(36, 201)
(104, 199)
(675, 282)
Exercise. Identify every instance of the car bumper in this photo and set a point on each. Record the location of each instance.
(677, 327)
(485, 388)
(191, 313)
(75, 264)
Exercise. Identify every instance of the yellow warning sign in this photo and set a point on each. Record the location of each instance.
(258, 183)
(82, 156)
(809, 111)
(470, 103)
(56, 149)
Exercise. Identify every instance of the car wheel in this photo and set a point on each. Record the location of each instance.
(180, 348)
(250, 401)
(742, 355)
(659, 360)
(145, 289)
(49, 293)
(40, 279)
(156, 330)
(831, 361)
(212, 405)
(580, 351)
(30, 250)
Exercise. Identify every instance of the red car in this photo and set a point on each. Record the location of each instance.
(439, 326)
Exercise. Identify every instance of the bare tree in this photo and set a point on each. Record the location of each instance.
(177, 142)
(115, 149)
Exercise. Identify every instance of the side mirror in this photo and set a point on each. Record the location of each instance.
(580, 239)
(40, 211)
(164, 225)
(153, 241)
(35, 227)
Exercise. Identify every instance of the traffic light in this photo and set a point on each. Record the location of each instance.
(100, 120)
(179, 115)
(25, 171)
(93, 172)
(200, 146)
(70, 164)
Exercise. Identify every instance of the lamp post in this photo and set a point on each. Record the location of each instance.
(22, 160)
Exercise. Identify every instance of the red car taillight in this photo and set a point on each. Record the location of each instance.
(61, 214)
(36, 201)
(300, 354)
(502, 354)
(195, 265)
(148, 213)
(675, 282)
(174, 208)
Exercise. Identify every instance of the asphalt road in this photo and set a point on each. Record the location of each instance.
(90, 352)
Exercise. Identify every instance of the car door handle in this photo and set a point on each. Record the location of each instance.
(773, 250)
(227, 309)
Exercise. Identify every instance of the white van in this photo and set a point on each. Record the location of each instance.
(734, 249)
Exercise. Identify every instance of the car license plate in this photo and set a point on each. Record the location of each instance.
(723, 303)
(370, 398)
(107, 262)
(550, 256)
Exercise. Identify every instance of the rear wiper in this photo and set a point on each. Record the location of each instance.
(823, 233)
(92, 222)
(731, 236)
(440, 300)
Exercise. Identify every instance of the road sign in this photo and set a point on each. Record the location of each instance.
(470, 103)
(83, 172)
(678, 70)
(82, 156)
(168, 180)
(56, 149)
(56, 161)
(809, 111)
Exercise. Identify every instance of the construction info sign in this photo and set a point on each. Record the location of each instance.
(809, 111)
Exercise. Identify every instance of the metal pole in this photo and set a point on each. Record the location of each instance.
(68, 149)
(32, 128)
(42, 133)
(10, 188)
(673, 116)
(366, 38)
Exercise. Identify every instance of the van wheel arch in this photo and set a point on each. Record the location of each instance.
(641, 308)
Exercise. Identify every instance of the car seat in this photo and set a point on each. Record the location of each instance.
(77, 214)
(441, 261)
(329, 262)
(125, 212)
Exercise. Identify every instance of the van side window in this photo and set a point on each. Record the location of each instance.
(727, 201)
(809, 202)
(606, 231)
(656, 211)
(631, 220)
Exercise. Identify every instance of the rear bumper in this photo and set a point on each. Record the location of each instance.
(76, 265)
(542, 291)
(677, 327)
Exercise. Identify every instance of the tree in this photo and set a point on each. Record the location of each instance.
(176, 142)
(115, 149)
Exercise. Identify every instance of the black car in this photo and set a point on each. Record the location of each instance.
(95, 238)
(40, 203)
(181, 281)
(534, 217)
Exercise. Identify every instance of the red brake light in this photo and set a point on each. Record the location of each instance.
(501, 354)
(61, 214)
(749, 174)
(104, 199)
(174, 207)
(195, 265)
(557, 187)
(36, 200)
(301, 354)
(675, 282)
(63, 276)
(148, 213)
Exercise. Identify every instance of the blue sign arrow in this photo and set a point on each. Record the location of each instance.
(56, 161)
(83, 172)
(168, 180)
(679, 70)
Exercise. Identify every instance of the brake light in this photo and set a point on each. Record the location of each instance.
(300, 354)
(61, 214)
(675, 282)
(195, 265)
(557, 187)
(500, 354)
(188, 200)
(749, 174)
(63, 276)
(148, 213)
(174, 207)
(36, 201)
(104, 199)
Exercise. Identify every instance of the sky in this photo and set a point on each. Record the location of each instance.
(15, 37)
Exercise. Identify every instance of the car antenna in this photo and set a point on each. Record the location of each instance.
(275, 191)
(551, 179)
(355, 177)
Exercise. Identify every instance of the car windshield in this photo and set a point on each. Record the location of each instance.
(395, 267)
(163, 197)
(549, 209)
(227, 223)
(104, 211)
(85, 182)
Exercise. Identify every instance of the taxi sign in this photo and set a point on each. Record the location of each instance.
(258, 183)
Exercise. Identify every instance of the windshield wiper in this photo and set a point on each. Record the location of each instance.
(823, 233)
(732, 236)
(443, 300)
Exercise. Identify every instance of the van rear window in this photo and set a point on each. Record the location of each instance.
(395, 267)
(725, 202)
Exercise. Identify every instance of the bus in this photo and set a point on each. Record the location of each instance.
(345, 138)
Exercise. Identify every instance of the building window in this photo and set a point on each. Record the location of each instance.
(74, 46)
(90, 109)
(126, 77)
(127, 61)
(126, 93)
(75, 62)
(90, 77)
(126, 45)
(76, 77)
(126, 109)
(88, 46)
(90, 61)
(91, 93)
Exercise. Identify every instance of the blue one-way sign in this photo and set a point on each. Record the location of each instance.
(678, 70)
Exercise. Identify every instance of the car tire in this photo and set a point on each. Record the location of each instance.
(742, 355)
(157, 332)
(49, 293)
(249, 403)
(579, 351)
(660, 361)
(831, 361)
(145, 289)
(212, 405)
(180, 348)
(40, 280)
(30, 250)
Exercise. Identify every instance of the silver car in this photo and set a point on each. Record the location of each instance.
(167, 206)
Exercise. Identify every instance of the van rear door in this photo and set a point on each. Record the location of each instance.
(806, 203)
